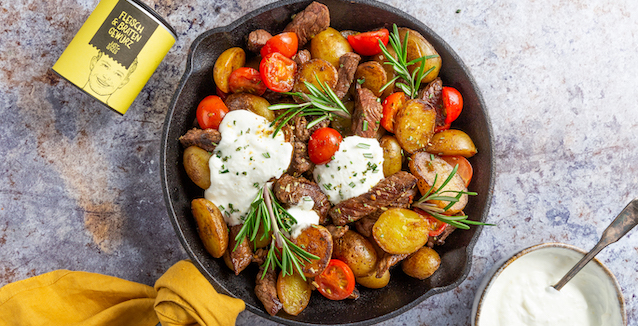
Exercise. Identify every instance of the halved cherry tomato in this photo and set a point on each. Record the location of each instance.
(210, 112)
(452, 103)
(278, 72)
(337, 280)
(285, 43)
(391, 105)
(246, 80)
(436, 227)
(368, 43)
(323, 144)
(465, 168)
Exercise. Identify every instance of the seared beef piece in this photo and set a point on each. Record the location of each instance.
(257, 39)
(347, 67)
(302, 57)
(259, 256)
(206, 139)
(387, 261)
(433, 93)
(290, 190)
(310, 22)
(439, 240)
(301, 132)
(300, 162)
(367, 113)
(337, 231)
(364, 226)
(389, 192)
(243, 255)
(266, 291)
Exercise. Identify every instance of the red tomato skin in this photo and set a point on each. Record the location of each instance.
(391, 105)
(453, 104)
(328, 278)
(323, 144)
(285, 43)
(210, 112)
(464, 170)
(278, 72)
(436, 226)
(246, 80)
(368, 43)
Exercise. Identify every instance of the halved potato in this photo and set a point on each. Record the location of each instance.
(226, 63)
(452, 142)
(426, 168)
(414, 125)
(400, 231)
(316, 240)
(372, 76)
(196, 166)
(293, 292)
(422, 264)
(311, 71)
(211, 226)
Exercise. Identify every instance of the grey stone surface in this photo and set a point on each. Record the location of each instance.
(80, 188)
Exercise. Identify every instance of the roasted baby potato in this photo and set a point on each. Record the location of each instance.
(356, 251)
(418, 47)
(451, 142)
(316, 240)
(392, 155)
(421, 264)
(329, 45)
(426, 167)
(196, 166)
(389, 71)
(400, 231)
(372, 76)
(211, 226)
(226, 63)
(261, 240)
(311, 71)
(414, 125)
(253, 103)
(293, 292)
(372, 282)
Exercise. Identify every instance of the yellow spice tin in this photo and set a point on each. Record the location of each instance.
(116, 51)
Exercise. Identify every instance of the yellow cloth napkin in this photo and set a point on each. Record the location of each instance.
(182, 296)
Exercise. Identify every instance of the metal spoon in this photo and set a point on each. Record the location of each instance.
(624, 222)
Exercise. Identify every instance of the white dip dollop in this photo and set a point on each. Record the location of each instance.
(243, 161)
(305, 216)
(356, 167)
(523, 294)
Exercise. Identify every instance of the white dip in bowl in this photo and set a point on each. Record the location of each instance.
(519, 291)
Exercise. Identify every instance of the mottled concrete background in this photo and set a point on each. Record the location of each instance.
(80, 187)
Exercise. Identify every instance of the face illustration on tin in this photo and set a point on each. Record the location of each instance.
(107, 76)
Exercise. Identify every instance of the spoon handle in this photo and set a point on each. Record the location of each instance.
(624, 222)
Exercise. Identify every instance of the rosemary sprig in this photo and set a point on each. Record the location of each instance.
(266, 211)
(322, 103)
(459, 221)
(411, 81)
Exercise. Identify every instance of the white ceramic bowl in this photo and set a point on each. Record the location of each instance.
(604, 288)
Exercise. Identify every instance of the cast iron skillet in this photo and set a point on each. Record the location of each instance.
(373, 306)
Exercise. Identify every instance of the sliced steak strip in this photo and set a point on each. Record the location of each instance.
(345, 75)
(243, 255)
(302, 133)
(266, 291)
(206, 139)
(433, 94)
(300, 162)
(302, 57)
(367, 113)
(310, 22)
(290, 190)
(439, 240)
(337, 231)
(257, 39)
(387, 261)
(389, 192)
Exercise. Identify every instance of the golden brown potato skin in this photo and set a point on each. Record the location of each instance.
(400, 231)
(452, 142)
(414, 125)
(392, 155)
(211, 226)
(426, 167)
(329, 45)
(316, 240)
(373, 76)
(293, 292)
(253, 103)
(422, 264)
(356, 251)
(196, 166)
(418, 47)
(371, 281)
(311, 71)
(226, 63)
(389, 71)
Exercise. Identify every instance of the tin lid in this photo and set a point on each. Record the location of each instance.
(155, 15)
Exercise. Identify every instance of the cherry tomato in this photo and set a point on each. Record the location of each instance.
(337, 280)
(441, 128)
(436, 227)
(453, 104)
(391, 106)
(465, 168)
(368, 43)
(323, 144)
(210, 112)
(278, 72)
(246, 80)
(285, 43)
